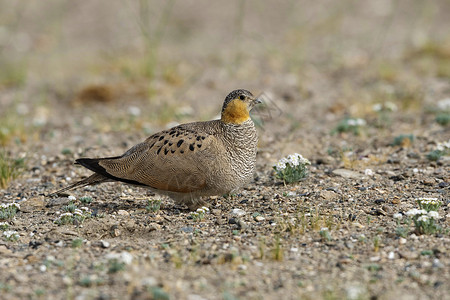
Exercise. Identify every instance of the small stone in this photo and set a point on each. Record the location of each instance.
(443, 184)
(437, 264)
(42, 268)
(149, 281)
(402, 241)
(328, 195)
(115, 231)
(408, 255)
(154, 226)
(122, 212)
(391, 255)
(347, 173)
(104, 244)
(259, 218)
(237, 212)
(187, 229)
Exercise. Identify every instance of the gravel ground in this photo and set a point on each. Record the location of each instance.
(333, 235)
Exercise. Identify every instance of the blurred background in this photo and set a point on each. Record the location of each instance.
(68, 67)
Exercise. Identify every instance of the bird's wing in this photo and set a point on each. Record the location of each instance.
(174, 160)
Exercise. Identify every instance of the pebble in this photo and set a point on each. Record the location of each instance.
(124, 257)
(259, 218)
(328, 195)
(409, 255)
(104, 244)
(187, 229)
(391, 255)
(402, 241)
(237, 212)
(347, 173)
(154, 226)
(122, 212)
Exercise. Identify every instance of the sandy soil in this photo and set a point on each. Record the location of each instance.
(92, 79)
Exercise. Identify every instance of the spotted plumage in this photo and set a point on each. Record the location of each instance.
(190, 161)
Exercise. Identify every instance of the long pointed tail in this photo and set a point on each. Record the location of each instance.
(91, 180)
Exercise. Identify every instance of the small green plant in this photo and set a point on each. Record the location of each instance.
(350, 125)
(292, 168)
(71, 207)
(325, 234)
(76, 243)
(86, 200)
(401, 231)
(403, 140)
(153, 205)
(4, 226)
(8, 211)
(429, 204)
(277, 250)
(11, 235)
(73, 215)
(115, 266)
(376, 243)
(425, 219)
(199, 214)
(10, 168)
(158, 293)
(442, 149)
(443, 119)
(384, 111)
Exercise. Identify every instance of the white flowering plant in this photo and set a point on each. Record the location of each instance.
(4, 226)
(11, 235)
(292, 168)
(199, 214)
(384, 111)
(73, 215)
(442, 149)
(8, 210)
(425, 219)
(443, 112)
(350, 125)
(429, 204)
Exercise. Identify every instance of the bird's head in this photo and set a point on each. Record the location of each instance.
(237, 105)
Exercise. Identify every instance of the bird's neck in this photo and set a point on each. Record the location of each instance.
(236, 112)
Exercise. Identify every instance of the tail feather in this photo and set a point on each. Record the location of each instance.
(91, 180)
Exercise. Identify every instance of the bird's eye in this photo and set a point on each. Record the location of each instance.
(242, 97)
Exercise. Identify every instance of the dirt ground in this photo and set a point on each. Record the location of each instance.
(91, 79)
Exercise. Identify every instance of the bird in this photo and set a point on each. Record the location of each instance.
(188, 162)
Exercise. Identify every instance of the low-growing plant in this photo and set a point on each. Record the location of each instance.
(384, 111)
(10, 168)
(153, 205)
(425, 219)
(277, 250)
(71, 207)
(443, 119)
(9, 210)
(4, 226)
(350, 125)
(114, 266)
(11, 235)
(442, 149)
(403, 140)
(292, 168)
(325, 234)
(85, 199)
(76, 243)
(73, 215)
(199, 214)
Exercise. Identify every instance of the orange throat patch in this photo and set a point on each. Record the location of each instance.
(236, 112)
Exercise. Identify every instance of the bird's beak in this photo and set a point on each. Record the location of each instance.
(257, 101)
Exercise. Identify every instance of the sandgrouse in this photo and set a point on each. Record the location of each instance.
(189, 161)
